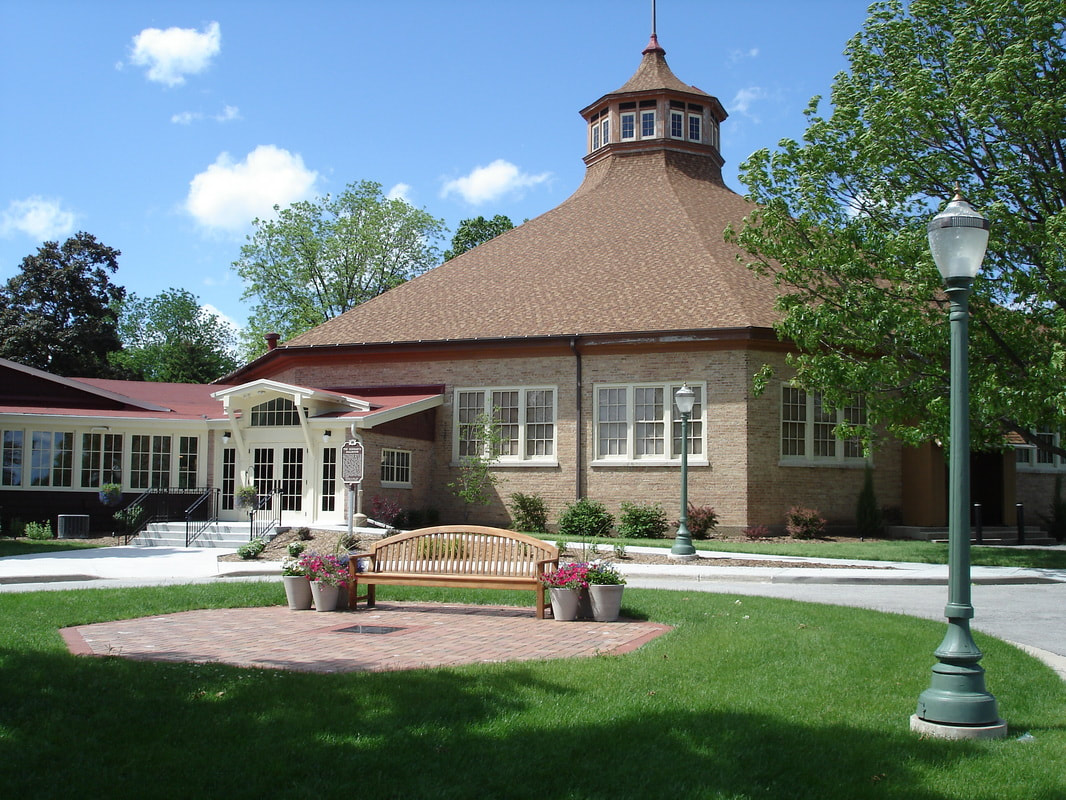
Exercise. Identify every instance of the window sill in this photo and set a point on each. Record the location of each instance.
(821, 463)
(648, 462)
(517, 464)
(395, 485)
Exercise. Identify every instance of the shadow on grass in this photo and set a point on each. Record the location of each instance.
(131, 729)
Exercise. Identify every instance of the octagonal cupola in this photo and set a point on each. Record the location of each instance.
(654, 110)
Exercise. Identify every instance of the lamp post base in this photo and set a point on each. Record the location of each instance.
(936, 730)
(682, 556)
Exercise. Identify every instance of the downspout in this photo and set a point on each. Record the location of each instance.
(578, 453)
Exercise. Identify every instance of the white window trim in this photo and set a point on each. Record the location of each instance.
(698, 118)
(621, 126)
(668, 458)
(410, 468)
(1058, 464)
(523, 458)
(838, 459)
(676, 114)
(654, 122)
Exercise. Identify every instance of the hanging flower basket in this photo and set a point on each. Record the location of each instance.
(111, 494)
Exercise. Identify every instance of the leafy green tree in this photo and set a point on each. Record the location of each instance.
(57, 313)
(320, 258)
(472, 232)
(172, 338)
(938, 92)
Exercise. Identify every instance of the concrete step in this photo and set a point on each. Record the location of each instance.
(228, 535)
(993, 536)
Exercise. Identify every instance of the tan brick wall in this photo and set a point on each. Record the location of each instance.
(743, 480)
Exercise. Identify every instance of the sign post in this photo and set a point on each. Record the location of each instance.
(352, 475)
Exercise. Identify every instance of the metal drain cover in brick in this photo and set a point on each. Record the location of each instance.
(381, 629)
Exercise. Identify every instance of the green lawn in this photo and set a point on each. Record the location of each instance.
(746, 698)
(25, 547)
(877, 550)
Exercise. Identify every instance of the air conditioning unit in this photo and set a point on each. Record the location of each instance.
(73, 526)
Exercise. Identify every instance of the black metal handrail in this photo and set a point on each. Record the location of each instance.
(145, 519)
(267, 502)
(208, 497)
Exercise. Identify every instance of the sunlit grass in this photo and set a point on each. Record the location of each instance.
(745, 698)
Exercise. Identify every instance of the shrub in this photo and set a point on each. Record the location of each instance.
(130, 517)
(585, 518)
(757, 532)
(702, 520)
(869, 523)
(642, 521)
(1055, 519)
(295, 548)
(347, 542)
(804, 523)
(529, 513)
(252, 549)
(384, 510)
(38, 530)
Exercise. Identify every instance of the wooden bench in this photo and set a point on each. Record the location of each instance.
(453, 555)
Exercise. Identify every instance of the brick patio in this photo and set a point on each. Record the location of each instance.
(392, 636)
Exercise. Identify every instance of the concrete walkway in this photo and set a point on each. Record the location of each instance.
(1023, 606)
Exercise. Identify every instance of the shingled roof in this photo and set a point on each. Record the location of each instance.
(637, 248)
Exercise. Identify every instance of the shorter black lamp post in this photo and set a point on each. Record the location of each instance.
(956, 704)
(683, 550)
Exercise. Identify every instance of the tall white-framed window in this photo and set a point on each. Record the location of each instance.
(628, 124)
(524, 418)
(595, 136)
(395, 468)
(677, 124)
(605, 129)
(13, 456)
(695, 127)
(52, 458)
(329, 478)
(647, 123)
(1034, 459)
(188, 461)
(149, 462)
(640, 422)
(101, 459)
(808, 427)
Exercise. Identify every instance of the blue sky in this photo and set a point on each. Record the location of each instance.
(164, 128)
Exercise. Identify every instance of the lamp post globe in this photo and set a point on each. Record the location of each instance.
(956, 705)
(684, 399)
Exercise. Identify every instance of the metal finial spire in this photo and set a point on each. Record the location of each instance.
(653, 32)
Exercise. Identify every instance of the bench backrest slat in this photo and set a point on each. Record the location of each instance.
(462, 550)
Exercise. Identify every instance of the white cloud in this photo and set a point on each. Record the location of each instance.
(745, 99)
(227, 114)
(172, 54)
(485, 184)
(37, 217)
(736, 56)
(401, 191)
(228, 195)
(211, 310)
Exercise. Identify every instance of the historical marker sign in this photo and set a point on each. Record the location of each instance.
(352, 462)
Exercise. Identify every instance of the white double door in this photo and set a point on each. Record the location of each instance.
(280, 471)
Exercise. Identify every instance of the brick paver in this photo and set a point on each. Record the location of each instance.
(428, 635)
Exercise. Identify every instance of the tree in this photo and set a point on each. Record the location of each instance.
(172, 338)
(58, 313)
(320, 258)
(472, 232)
(944, 91)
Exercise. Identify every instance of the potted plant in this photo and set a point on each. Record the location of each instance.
(564, 588)
(328, 576)
(605, 587)
(297, 584)
(246, 496)
(111, 494)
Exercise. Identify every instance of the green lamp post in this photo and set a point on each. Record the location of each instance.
(956, 704)
(684, 398)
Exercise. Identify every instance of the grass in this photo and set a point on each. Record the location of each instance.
(874, 550)
(747, 698)
(25, 547)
